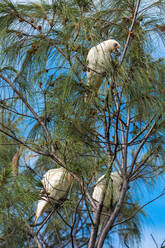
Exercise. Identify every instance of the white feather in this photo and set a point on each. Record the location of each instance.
(97, 61)
(56, 183)
(112, 193)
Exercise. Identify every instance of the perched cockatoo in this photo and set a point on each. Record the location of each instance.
(56, 183)
(97, 61)
(112, 193)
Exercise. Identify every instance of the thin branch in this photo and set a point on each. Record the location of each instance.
(66, 223)
(85, 243)
(130, 31)
(96, 220)
(85, 190)
(27, 105)
(125, 153)
(99, 208)
(15, 112)
(38, 242)
(162, 245)
(149, 6)
(140, 147)
(74, 221)
(107, 135)
(88, 211)
(118, 105)
(44, 221)
(138, 210)
(39, 245)
(137, 135)
(94, 231)
(62, 246)
(154, 240)
(140, 164)
(29, 22)
(113, 216)
(22, 143)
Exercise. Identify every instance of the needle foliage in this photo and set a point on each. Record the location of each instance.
(43, 48)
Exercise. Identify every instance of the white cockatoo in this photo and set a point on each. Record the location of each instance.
(112, 193)
(56, 183)
(97, 61)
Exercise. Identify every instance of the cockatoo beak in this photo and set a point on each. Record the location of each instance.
(117, 51)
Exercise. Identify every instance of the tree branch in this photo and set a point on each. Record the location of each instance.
(154, 241)
(113, 216)
(140, 147)
(138, 210)
(22, 143)
(130, 31)
(27, 105)
(96, 221)
(137, 135)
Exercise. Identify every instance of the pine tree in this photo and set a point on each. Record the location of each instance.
(43, 67)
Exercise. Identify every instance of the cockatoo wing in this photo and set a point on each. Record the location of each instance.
(117, 182)
(56, 183)
(97, 194)
(112, 193)
(96, 66)
(99, 188)
(98, 61)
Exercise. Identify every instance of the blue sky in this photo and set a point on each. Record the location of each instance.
(155, 221)
(156, 227)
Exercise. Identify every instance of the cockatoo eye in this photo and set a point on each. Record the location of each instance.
(116, 45)
(116, 49)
